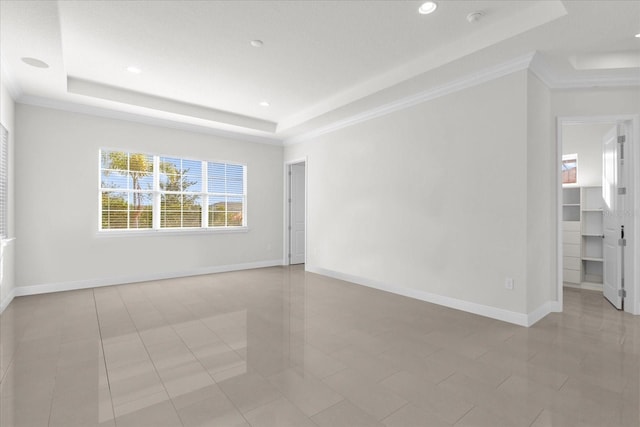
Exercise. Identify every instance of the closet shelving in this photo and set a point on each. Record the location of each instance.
(582, 236)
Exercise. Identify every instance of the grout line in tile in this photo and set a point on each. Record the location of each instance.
(537, 416)
(464, 415)
(149, 355)
(104, 360)
(400, 408)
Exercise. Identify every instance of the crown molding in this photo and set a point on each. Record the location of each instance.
(474, 79)
(532, 61)
(552, 80)
(9, 82)
(147, 120)
(594, 82)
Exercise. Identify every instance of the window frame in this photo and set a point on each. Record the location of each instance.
(157, 193)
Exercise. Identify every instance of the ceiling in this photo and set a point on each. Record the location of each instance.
(198, 67)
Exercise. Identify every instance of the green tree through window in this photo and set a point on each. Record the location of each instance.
(142, 191)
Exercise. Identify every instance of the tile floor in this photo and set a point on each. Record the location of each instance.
(281, 347)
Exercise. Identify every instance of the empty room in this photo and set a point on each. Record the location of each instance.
(319, 213)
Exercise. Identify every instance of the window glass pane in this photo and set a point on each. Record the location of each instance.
(109, 179)
(235, 186)
(170, 174)
(191, 176)
(234, 219)
(124, 170)
(127, 191)
(215, 178)
(217, 219)
(217, 204)
(121, 210)
(234, 204)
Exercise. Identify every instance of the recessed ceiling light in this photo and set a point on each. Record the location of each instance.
(35, 62)
(427, 8)
(133, 69)
(256, 43)
(638, 36)
(264, 104)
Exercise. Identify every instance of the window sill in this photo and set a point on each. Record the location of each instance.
(172, 232)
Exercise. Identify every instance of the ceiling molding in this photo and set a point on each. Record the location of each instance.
(594, 82)
(477, 78)
(532, 61)
(9, 82)
(126, 96)
(147, 120)
(541, 69)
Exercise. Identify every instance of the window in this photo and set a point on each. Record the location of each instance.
(569, 168)
(4, 181)
(143, 191)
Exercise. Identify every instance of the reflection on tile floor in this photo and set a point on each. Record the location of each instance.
(281, 347)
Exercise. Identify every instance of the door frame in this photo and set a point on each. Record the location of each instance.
(632, 167)
(287, 211)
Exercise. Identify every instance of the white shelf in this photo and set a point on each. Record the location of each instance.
(582, 206)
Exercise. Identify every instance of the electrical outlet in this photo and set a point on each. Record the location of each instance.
(508, 283)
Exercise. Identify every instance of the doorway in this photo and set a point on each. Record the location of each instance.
(598, 213)
(296, 239)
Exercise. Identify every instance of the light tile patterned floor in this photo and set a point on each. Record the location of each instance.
(281, 347)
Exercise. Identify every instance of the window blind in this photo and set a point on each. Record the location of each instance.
(4, 182)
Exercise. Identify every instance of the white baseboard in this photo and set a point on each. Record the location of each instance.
(96, 283)
(589, 286)
(539, 313)
(520, 319)
(7, 300)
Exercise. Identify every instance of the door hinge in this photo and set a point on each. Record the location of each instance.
(289, 200)
(289, 173)
(289, 227)
(622, 191)
(622, 139)
(622, 293)
(622, 242)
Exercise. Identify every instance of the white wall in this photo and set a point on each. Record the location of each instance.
(57, 204)
(429, 201)
(7, 109)
(541, 207)
(586, 141)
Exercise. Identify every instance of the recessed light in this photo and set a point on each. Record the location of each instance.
(427, 8)
(256, 43)
(264, 103)
(638, 36)
(35, 62)
(133, 69)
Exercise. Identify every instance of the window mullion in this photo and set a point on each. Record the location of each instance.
(205, 196)
(156, 193)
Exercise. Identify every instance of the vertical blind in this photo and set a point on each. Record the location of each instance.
(4, 181)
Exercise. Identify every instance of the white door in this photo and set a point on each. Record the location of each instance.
(611, 224)
(297, 214)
